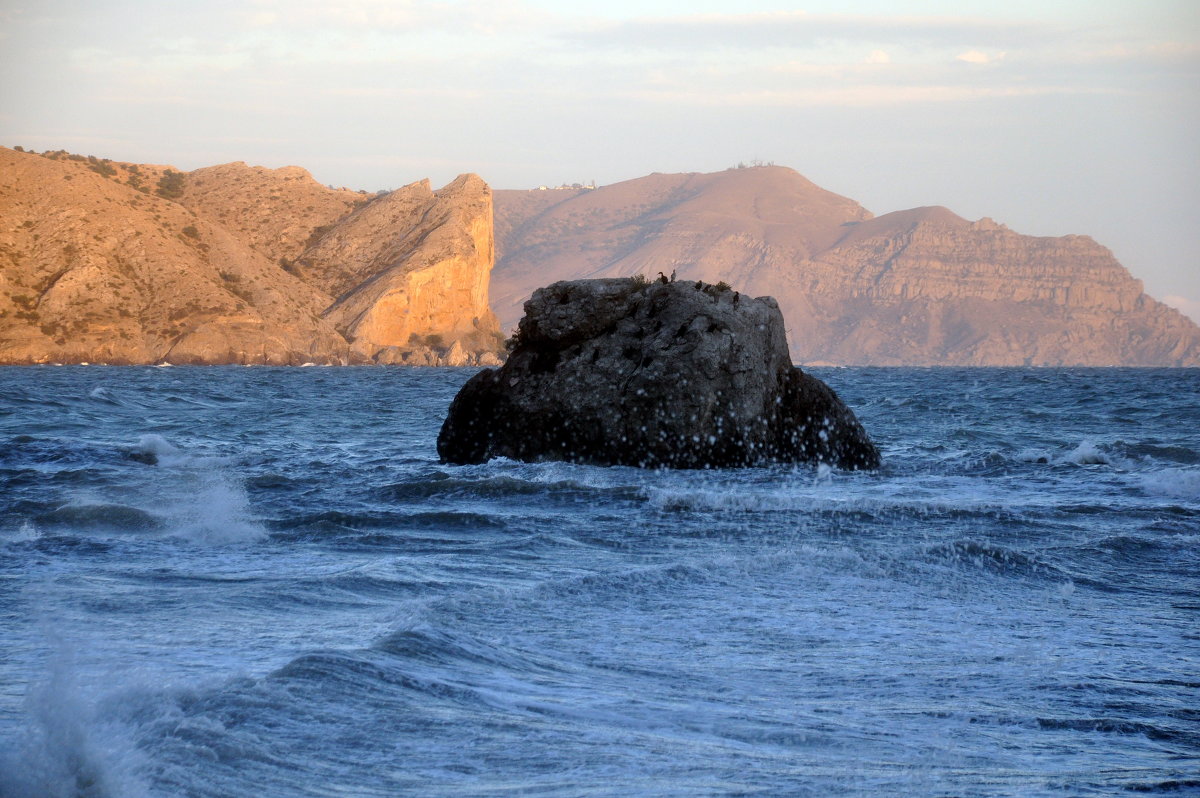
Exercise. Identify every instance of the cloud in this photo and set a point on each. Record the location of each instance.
(1188, 307)
(853, 96)
(799, 29)
(979, 57)
(879, 57)
(393, 16)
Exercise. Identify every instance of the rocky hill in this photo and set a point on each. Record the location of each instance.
(131, 263)
(915, 287)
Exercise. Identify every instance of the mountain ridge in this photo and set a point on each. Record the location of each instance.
(921, 286)
(104, 261)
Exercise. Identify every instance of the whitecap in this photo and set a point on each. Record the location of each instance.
(66, 749)
(155, 450)
(1173, 483)
(200, 501)
(214, 511)
(1086, 453)
(22, 534)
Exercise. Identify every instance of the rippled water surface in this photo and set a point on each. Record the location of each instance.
(256, 581)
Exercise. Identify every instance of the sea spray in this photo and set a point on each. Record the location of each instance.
(200, 500)
(984, 616)
(63, 748)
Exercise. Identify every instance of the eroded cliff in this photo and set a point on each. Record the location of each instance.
(126, 263)
(915, 287)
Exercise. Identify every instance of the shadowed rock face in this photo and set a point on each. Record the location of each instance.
(682, 375)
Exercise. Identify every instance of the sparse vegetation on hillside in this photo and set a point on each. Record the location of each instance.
(140, 270)
(101, 166)
(317, 234)
(170, 185)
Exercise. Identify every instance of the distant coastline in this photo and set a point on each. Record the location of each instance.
(123, 263)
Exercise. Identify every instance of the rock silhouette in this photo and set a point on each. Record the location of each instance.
(663, 374)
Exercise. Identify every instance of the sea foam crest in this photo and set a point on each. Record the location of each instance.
(1173, 483)
(213, 509)
(155, 449)
(1086, 453)
(203, 502)
(66, 751)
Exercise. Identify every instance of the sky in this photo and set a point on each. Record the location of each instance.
(1051, 117)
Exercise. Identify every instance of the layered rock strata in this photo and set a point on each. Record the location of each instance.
(662, 374)
(915, 287)
(125, 263)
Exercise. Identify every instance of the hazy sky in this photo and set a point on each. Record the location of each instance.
(1052, 117)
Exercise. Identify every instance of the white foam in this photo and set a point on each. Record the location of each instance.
(1173, 483)
(200, 500)
(213, 510)
(24, 533)
(65, 749)
(1086, 453)
(155, 445)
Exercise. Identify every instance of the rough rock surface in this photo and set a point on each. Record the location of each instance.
(674, 374)
(429, 277)
(915, 287)
(108, 262)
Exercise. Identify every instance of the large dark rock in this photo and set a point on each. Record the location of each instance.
(676, 374)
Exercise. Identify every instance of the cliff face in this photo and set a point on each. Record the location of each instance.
(915, 287)
(927, 287)
(430, 277)
(236, 264)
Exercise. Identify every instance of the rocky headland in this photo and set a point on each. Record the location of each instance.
(915, 287)
(651, 374)
(113, 262)
(109, 262)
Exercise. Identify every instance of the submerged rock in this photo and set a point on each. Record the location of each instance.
(676, 374)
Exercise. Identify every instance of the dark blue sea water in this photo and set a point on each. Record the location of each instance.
(261, 582)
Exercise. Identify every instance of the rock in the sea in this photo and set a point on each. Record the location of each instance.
(665, 374)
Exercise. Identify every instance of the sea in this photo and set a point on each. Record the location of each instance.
(231, 581)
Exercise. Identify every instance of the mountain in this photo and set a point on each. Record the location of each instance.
(915, 287)
(131, 263)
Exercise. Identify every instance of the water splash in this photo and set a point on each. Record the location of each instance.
(66, 750)
(212, 507)
(1173, 483)
(1087, 453)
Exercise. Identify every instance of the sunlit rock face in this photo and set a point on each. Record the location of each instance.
(238, 264)
(664, 374)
